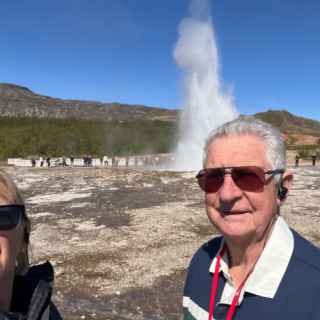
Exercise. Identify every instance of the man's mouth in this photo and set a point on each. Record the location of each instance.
(233, 212)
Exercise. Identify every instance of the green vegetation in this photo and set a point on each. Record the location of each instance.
(27, 137)
(23, 137)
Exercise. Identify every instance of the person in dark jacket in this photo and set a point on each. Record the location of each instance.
(25, 291)
(258, 268)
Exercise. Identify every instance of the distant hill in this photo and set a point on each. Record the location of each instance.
(289, 123)
(33, 124)
(17, 101)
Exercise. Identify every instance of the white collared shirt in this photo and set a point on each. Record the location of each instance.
(269, 269)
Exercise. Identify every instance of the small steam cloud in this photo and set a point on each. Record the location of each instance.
(205, 105)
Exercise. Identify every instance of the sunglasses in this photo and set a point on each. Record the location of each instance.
(10, 216)
(247, 178)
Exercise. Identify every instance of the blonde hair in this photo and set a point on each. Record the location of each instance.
(11, 194)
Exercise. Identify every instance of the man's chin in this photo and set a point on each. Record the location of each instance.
(235, 227)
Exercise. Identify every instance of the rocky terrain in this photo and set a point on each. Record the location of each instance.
(18, 101)
(120, 240)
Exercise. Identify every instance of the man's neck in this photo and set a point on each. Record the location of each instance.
(242, 260)
(243, 255)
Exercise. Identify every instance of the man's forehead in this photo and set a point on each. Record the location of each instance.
(236, 138)
(237, 150)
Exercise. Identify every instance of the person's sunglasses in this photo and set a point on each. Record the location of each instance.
(247, 178)
(10, 216)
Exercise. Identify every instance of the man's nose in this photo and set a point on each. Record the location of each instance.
(229, 191)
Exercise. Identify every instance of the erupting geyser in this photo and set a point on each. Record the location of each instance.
(205, 105)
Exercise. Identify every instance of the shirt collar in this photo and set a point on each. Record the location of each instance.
(271, 265)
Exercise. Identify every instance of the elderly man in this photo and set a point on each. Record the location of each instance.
(259, 268)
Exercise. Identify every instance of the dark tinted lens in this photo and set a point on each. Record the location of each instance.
(210, 180)
(249, 178)
(10, 216)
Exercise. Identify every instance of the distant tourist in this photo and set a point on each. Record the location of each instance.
(314, 158)
(48, 162)
(105, 161)
(258, 268)
(25, 291)
(41, 162)
(33, 162)
(85, 161)
(297, 158)
(71, 160)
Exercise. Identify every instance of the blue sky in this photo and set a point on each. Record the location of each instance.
(122, 50)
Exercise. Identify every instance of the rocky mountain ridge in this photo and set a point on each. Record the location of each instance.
(18, 101)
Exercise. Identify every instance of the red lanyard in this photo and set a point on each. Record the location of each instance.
(214, 288)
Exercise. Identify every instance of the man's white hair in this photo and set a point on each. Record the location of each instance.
(248, 125)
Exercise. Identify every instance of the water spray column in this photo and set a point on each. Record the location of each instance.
(205, 105)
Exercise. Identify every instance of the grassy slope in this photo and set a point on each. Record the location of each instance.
(21, 137)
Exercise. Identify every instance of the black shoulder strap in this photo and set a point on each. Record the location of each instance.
(40, 300)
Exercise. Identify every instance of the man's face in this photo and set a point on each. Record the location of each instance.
(237, 213)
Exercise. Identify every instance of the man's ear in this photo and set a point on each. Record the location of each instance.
(285, 185)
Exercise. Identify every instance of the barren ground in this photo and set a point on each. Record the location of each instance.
(120, 240)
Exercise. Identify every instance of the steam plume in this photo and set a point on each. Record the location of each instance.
(205, 105)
